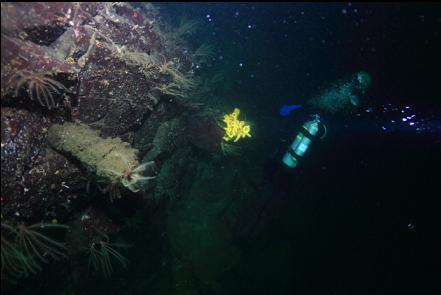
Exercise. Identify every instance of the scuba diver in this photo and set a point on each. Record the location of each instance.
(340, 96)
(281, 167)
(283, 171)
(302, 141)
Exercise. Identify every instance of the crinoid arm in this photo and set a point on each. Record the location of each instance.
(203, 53)
(101, 253)
(143, 167)
(171, 89)
(138, 183)
(114, 191)
(40, 87)
(25, 248)
(12, 260)
(38, 245)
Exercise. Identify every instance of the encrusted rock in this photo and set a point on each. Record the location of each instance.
(35, 182)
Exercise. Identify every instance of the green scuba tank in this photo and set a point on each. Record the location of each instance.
(303, 140)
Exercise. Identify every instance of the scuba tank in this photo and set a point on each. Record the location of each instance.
(303, 140)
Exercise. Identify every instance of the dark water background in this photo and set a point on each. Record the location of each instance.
(361, 215)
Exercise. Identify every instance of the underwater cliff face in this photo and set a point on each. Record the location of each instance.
(142, 145)
(113, 67)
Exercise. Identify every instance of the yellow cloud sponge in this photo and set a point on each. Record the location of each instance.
(235, 129)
